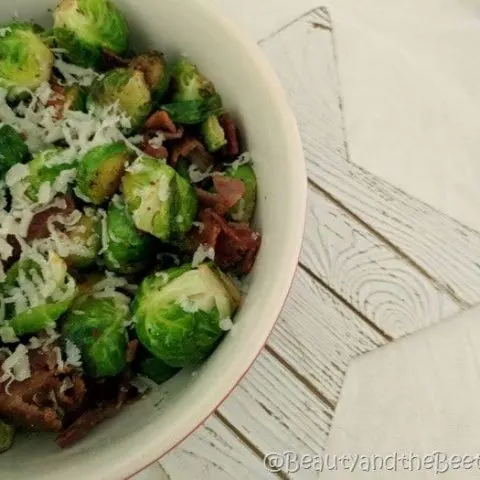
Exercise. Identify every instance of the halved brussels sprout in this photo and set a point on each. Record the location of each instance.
(189, 84)
(37, 292)
(192, 112)
(128, 250)
(85, 242)
(213, 134)
(100, 172)
(44, 169)
(97, 327)
(155, 70)
(25, 61)
(178, 313)
(13, 149)
(75, 98)
(161, 201)
(194, 98)
(127, 88)
(243, 211)
(85, 27)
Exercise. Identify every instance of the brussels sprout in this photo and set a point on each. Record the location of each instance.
(100, 172)
(243, 211)
(13, 149)
(128, 88)
(178, 313)
(97, 327)
(155, 70)
(128, 250)
(37, 292)
(85, 27)
(44, 169)
(192, 112)
(25, 61)
(75, 99)
(213, 134)
(7, 436)
(154, 369)
(189, 84)
(161, 201)
(86, 242)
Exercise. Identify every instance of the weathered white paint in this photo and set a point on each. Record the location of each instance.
(286, 400)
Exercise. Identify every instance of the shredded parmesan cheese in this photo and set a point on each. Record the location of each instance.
(203, 252)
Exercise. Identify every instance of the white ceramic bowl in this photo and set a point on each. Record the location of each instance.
(147, 430)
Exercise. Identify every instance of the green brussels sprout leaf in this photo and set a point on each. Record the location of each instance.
(161, 202)
(25, 61)
(189, 84)
(37, 292)
(128, 250)
(85, 27)
(97, 327)
(125, 87)
(213, 134)
(13, 149)
(191, 112)
(100, 172)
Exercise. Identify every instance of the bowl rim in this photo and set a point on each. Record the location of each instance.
(264, 69)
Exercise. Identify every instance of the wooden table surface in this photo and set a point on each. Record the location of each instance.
(376, 265)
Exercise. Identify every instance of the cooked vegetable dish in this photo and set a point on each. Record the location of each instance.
(126, 208)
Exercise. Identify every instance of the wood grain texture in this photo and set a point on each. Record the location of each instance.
(446, 251)
(318, 335)
(277, 412)
(214, 452)
(368, 273)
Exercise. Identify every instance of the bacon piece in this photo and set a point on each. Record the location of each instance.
(30, 404)
(103, 409)
(111, 60)
(235, 244)
(132, 348)
(232, 148)
(229, 192)
(160, 121)
(194, 150)
(153, 150)
(39, 225)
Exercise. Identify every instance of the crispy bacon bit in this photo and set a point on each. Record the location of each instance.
(111, 60)
(35, 403)
(132, 348)
(57, 98)
(39, 225)
(154, 151)
(104, 405)
(235, 244)
(16, 252)
(229, 192)
(160, 121)
(232, 148)
(194, 150)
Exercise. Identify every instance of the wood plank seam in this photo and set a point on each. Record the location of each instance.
(325, 285)
(440, 286)
(323, 14)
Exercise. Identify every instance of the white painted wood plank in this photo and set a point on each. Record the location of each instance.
(444, 249)
(214, 453)
(277, 412)
(262, 18)
(318, 335)
(369, 274)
